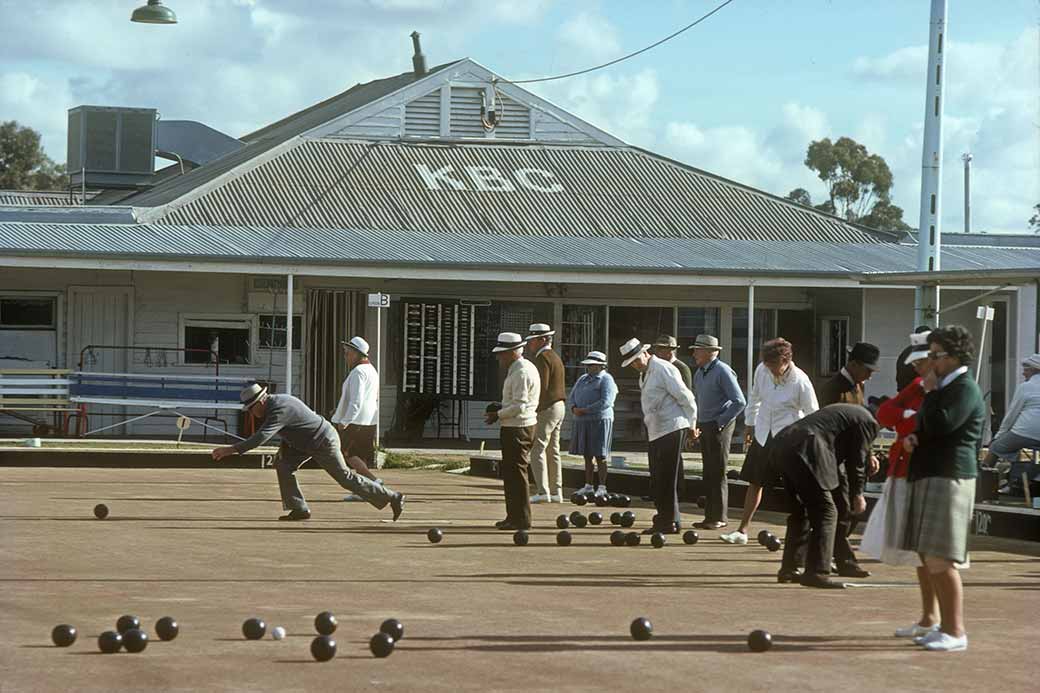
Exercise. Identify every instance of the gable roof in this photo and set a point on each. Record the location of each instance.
(278, 133)
(526, 189)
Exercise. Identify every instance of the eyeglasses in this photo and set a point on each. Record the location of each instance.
(936, 355)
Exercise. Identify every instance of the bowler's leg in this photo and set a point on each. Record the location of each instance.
(331, 460)
(286, 462)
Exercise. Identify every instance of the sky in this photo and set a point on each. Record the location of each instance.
(740, 95)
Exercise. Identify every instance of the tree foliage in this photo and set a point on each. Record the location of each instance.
(859, 184)
(1034, 221)
(23, 163)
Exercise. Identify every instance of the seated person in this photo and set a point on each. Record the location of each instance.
(1019, 429)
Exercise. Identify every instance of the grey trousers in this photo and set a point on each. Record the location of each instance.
(288, 460)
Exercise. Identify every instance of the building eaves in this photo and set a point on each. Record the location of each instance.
(337, 247)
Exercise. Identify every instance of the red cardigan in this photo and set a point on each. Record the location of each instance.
(891, 414)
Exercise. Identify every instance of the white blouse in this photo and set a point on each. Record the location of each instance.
(775, 404)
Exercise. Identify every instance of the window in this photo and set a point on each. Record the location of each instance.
(695, 321)
(27, 313)
(272, 331)
(217, 339)
(834, 344)
(580, 333)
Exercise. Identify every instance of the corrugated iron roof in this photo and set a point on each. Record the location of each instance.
(47, 198)
(604, 192)
(277, 133)
(435, 249)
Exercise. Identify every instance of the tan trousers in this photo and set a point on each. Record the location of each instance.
(546, 467)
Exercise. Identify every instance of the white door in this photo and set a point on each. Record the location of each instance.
(100, 326)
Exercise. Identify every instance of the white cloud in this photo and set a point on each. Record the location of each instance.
(590, 35)
(991, 110)
(622, 104)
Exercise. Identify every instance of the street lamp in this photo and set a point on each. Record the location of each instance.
(154, 13)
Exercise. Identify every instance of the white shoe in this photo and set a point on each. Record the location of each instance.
(539, 498)
(927, 637)
(352, 498)
(377, 481)
(587, 488)
(947, 643)
(735, 537)
(915, 631)
(601, 491)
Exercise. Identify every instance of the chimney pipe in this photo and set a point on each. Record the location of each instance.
(418, 60)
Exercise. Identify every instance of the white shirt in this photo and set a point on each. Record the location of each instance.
(668, 405)
(949, 377)
(1023, 415)
(359, 399)
(520, 393)
(776, 404)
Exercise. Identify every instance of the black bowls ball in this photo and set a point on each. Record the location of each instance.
(521, 537)
(633, 539)
(774, 544)
(641, 629)
(657, 540)
(759, 640)
(101, 511)
(763, 536)
(615, 518)
(135, 640)
(595, 518)
(110, 642)
(563, 538)
(393, 628)
(601, 501)
(167, 628)
(381, 644)
(127, 622)
(690, 537)
(579, 520)
(579, 499)
(63, 635)
(434, 535)
(254, 628)
(628, 518)
(323, 648)
(562, 522)
(325, 623)
(617, 538)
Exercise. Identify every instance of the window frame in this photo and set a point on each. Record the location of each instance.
(19, 296)
(297, 331)
(823, 355)
(223, 321)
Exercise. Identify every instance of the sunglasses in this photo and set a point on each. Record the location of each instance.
(936, 355)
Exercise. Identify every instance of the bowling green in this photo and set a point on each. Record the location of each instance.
(205, 547)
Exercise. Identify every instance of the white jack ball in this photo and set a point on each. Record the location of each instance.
(278, 633)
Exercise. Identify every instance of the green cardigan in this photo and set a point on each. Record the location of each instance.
(949, 426)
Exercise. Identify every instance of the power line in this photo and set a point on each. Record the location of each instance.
(622, 58)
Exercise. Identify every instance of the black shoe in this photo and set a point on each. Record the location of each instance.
(820, 582)
(296, 515)
(503, 523)
(510, 527)
(852, 570)
(397, 504)
(787, 576)
(710, 525)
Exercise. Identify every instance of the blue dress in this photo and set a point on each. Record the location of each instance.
(592, 432)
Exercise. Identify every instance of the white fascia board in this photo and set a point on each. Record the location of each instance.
(561, 276)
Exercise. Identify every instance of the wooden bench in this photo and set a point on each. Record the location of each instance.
(162, 394)
(24, 391)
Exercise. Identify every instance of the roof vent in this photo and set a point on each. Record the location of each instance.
(111, 147)
(418, 59)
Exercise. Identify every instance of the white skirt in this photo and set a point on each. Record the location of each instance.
(887, 524)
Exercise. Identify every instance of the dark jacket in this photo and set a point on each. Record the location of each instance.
(949, 426)
(684, 372)
(839, 390)
(837, 435)
(550, 370)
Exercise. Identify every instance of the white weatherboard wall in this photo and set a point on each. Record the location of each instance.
(161, 299)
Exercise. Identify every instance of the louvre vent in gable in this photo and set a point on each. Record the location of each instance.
(422, 117)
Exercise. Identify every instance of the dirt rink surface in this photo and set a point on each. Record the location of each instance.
(479, 613)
